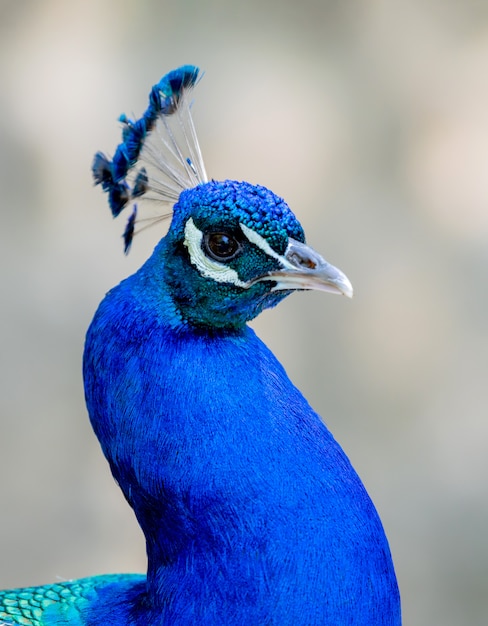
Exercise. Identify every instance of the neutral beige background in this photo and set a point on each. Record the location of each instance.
(371, 119)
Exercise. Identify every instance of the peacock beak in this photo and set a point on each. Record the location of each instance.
(303, 268)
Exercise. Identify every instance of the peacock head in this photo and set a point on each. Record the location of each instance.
(232, 248)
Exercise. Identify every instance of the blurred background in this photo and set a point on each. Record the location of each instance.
(371, 119)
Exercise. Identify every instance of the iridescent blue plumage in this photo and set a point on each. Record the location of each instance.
(251, 511)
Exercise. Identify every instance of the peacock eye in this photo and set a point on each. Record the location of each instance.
(221, 246)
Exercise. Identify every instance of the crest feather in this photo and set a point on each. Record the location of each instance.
(159, 155)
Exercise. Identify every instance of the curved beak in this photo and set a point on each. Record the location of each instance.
(303, 268)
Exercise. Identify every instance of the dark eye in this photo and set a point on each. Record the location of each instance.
(221, 246)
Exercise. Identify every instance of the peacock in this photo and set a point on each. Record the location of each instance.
(251, 511)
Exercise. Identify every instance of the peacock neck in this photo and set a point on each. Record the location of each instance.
(216, 451)
(186, 418)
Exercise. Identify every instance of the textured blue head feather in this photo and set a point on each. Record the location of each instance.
(235, 202)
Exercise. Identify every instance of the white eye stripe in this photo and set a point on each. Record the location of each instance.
(220, 272)
(207, 267)
(261, 243)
